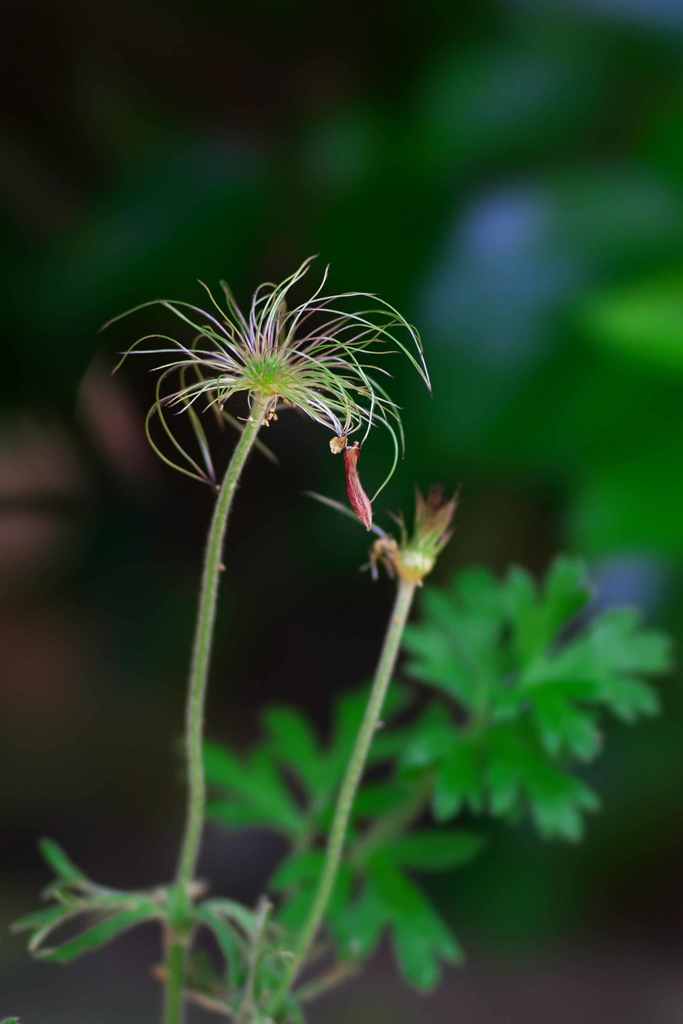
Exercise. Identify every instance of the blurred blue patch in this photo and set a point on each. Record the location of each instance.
(660, 14)
(499, 277)
(635, 580)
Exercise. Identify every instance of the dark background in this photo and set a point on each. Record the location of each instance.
(510, 175)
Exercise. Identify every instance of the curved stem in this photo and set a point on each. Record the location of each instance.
(194, 721)
(347, 793)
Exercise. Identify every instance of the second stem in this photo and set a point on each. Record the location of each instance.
(347, 793)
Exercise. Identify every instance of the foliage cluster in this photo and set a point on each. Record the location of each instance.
(507, 689)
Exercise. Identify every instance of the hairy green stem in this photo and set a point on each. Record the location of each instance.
(349, 786)
(194, 722)
(174, 995)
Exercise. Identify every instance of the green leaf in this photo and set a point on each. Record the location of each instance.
(600, 666)
(431, 850)
(618, 644)
(538, 619)
(226, 939)
(519, 770)
(389, 744)
(520, 601)
(563, 727)
(433, 735)
(10, 1020)
(99, 935)
(358, 926)
(416, 957)
(505, 770)
(567, 591)
(221, 766)
(529, 692)
(42, 923)
(460, 780)
(376, 799)
(421, 938)
(240, 915)
(60, 863)
(261, 796)
(40, 919)
(298, 868)
(456, 648)
(630, 698)
(241, 815)
(558, 804)
(294, 912)
(294, 742)
(348, 715)
(299, 875)
(258, 794)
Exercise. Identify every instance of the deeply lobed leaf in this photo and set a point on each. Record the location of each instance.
(531, 682)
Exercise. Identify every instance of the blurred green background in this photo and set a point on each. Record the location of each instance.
(510, 175)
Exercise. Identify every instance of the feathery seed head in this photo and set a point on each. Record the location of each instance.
(317, 356)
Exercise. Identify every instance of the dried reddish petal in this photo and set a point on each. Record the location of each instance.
(358, 499)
